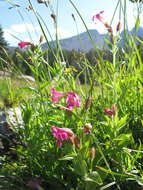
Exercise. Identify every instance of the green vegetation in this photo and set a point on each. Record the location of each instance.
(14, 91)
(3, 48)
(83, 124)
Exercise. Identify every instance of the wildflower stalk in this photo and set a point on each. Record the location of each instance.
(38, 17)
(92, 41)
(118, 3)
(114, 50)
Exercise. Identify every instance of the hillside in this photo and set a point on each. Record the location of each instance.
(82, 41)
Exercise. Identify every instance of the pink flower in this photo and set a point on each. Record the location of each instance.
(22, 44)
(98, 16)
(72, 100)
(61, 134)
(111, 111)
(87, 128)
(56, 95)
(34, 183)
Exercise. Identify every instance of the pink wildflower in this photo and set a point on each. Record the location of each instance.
(72, 100)
(111, 111)
(98, 16)
(87, 128)
(61, 134)
(22, 44)
(56, 95)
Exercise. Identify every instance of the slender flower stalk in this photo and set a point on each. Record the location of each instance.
(99, 17)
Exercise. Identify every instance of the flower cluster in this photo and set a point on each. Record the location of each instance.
(61, 134)
(72, 99)
(100, 18)
(64, 134)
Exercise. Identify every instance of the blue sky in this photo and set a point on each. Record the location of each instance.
(22, 23)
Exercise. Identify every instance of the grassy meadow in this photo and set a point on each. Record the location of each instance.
(82, 123)
(14, 91)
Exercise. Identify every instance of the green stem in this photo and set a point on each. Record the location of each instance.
(114, 74)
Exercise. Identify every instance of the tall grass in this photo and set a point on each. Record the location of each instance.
(105, 150)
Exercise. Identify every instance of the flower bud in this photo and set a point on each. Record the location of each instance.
(88, 102)
(53, 17)
(75, 140)
(118, 27)
(73, 16)
(41, 1)
(87, 128)
(41, 39)
(92, 152)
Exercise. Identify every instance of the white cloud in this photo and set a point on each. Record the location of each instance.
(63, 33)
(24, 27)
(9, 35)
(99, 27)
(18, 32)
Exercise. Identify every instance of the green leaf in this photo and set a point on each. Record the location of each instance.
(80, 167)
(94, 177)
(137, 23)
(124, 138)
(68, 157)
(111, 172)
(108, 185)
(137, 179)
(122, 122)
(27, 116)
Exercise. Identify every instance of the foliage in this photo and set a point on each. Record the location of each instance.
(3, 47)
(14, 90)
(77, 136)
(22, 60)
(75, 61)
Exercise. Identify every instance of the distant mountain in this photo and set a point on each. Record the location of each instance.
(139, 33)
(131, 33)
(82, 41)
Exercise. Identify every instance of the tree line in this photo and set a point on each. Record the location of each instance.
(77, 62)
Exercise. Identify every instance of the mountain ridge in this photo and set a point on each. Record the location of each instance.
(83, 43)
